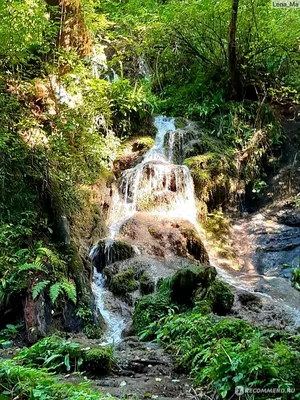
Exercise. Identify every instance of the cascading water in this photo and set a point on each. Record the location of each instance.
(156, 185)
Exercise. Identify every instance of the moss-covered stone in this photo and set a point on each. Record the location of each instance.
(180, 123)
(152, 307)
(143, 143)
(194, 245)
(123, 283)
(98, 361)
(107, 253)
(220, 297)
(187, 281)
(93, 332)
(296, 278)
(146, 284)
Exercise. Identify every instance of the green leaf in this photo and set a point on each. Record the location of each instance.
(67, 362)
(51, 358)
(39, 287)
(70, 291)
(55, 291)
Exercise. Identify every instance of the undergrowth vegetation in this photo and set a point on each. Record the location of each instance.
(220, 352)
(30, 374)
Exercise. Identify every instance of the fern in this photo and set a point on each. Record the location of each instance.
(55, 291)
(39, 287)
(35, 266)
(45, 252)
(70, 291)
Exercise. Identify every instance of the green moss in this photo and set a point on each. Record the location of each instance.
(203, 307)
(143, 143)
(221, 297)
(180, 123)
(146, 284)
(187, 281)
(152, 307)
(92, 331)
(123, 283)
(98, 361)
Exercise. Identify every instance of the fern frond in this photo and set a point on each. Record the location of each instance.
(55, 291)
(21, 252)
(70, 290)
(39, 287)
(44, 251)
(35, 266)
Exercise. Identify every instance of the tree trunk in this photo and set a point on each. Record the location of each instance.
(234, 73)
(73, 33)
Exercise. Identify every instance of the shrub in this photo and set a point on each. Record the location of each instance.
(226, 352)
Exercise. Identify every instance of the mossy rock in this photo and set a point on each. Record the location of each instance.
(61, 356)
(195, 246)
(143, 143)
(152, 307)
(188, 280)
(98, 361)
(107, 253)
(92, 331)
(180, 123)
(220, 297)
(123, 283)
(146, 284)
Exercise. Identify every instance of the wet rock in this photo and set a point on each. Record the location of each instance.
(290, 218)
(109, 251)
(249, 299)
(165, 238)
(187, 281)
(131, 153)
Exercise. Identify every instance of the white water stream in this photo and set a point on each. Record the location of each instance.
(166, 186)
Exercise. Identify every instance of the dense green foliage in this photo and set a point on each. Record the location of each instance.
(75, 85)
(226, 352)
(31, 383)
(30, 374)
(60, 355)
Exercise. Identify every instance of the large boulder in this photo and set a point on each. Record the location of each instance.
(164, 238)
(187, 281)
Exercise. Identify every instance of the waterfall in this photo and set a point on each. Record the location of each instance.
(156, 186)
(115, 323)
(165, 187)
